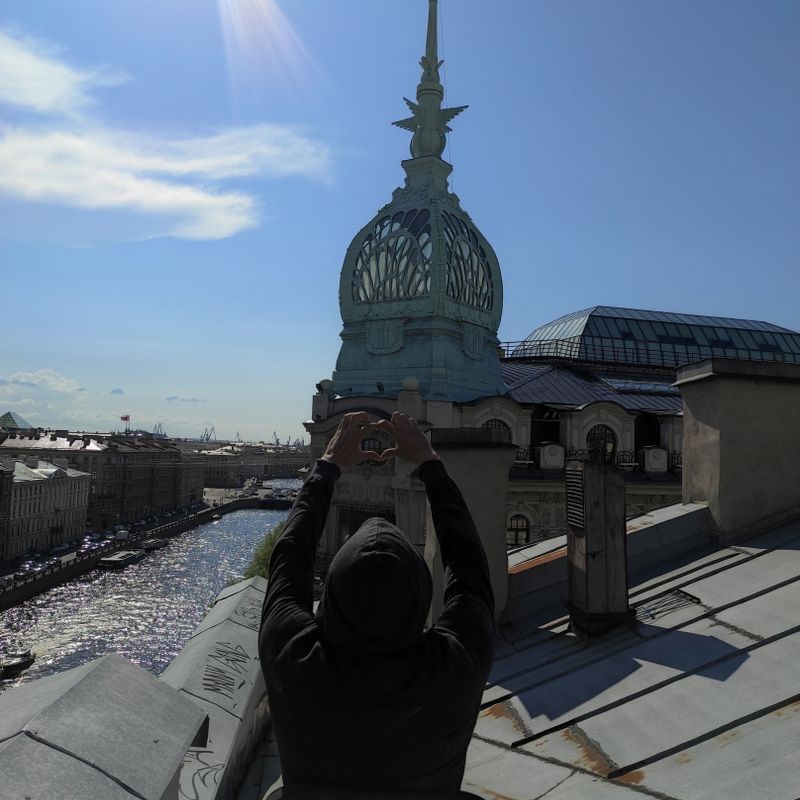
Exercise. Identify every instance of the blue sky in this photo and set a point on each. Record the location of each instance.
(179, 182)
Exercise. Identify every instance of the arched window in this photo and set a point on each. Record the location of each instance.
(394, 262)
(518, 531)
(601, 443)
(499, 425)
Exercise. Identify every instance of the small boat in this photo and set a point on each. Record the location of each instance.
(153, 544)
(121, 559)
(16, 662)
(216, 516)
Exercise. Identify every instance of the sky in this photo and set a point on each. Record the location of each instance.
(180, 181)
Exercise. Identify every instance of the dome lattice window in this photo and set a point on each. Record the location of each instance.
(469, 279)
(395, 259)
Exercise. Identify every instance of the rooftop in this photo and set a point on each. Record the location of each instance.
(44, 471)
(575, 386)
(698, 700)
(655, 338)
(13, 421)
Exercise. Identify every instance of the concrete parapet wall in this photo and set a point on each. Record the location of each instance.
(219, 670)
(741, 442)
(538, 573)
(667, 532)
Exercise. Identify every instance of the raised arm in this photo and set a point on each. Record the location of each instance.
(288, 605)
(468, 612)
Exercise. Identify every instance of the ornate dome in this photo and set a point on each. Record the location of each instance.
(420, 290)
(421, 254)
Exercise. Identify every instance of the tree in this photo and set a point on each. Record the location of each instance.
(259, 563)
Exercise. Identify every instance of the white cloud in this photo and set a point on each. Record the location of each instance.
(46, 378)
(77, 165)
(32, 76)
(26, 402)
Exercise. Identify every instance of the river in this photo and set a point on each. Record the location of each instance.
(146, 612)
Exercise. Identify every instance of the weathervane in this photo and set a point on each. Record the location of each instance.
(429, 120)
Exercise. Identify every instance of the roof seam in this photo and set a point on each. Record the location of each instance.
(737, 653)
(703, 737)
(624, 645)
(573, 768)
(89, 764)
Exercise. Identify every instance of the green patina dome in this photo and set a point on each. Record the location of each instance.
(421, 292)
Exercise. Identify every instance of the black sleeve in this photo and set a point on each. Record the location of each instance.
(468, 612)
(288, 604)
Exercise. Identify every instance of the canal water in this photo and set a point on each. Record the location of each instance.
(146, 612)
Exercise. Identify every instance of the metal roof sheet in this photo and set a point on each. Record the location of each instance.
(565, 386)
(700, 700)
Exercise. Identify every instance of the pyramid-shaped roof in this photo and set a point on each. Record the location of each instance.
(13, 421)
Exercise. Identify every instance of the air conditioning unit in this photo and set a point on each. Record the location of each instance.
(551, 455)
(653, 459)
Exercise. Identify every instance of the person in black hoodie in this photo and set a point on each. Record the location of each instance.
(363, 698)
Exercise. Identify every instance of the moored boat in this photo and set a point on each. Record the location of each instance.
(121, 559)
(15, 662)
(153, 544)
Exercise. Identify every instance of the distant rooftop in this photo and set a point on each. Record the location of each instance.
(571, 387)
(655, 338)
(13, 421)
(44, 470)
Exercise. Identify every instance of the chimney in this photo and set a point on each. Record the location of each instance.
(597, 562)
(741, 441)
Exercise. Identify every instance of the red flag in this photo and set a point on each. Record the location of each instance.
(125, 418)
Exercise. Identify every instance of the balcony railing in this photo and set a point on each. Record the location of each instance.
(626, 459)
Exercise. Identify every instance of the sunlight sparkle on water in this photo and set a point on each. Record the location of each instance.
(146, 612)
(262, 48)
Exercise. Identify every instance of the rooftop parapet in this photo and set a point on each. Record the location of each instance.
(219, 670)
(105, 730)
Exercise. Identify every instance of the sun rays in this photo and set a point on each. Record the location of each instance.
(262, 49)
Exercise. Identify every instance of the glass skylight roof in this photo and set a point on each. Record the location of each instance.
(657, 338)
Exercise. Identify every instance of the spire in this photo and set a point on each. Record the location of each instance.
(429, 120)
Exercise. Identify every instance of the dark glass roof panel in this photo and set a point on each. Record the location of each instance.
(657, 338)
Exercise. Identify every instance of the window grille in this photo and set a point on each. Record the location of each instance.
(518, 531)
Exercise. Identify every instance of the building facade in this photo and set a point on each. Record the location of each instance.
(132, 477)
(421, 298)
(43, 504)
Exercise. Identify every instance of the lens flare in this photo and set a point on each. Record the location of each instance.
(263, 50)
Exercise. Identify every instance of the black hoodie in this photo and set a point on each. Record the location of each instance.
(361, 694)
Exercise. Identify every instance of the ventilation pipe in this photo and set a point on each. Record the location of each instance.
(597, 564)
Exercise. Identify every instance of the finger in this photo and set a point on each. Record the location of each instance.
(383, 425)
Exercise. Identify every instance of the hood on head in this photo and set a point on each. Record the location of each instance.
(377, 593)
